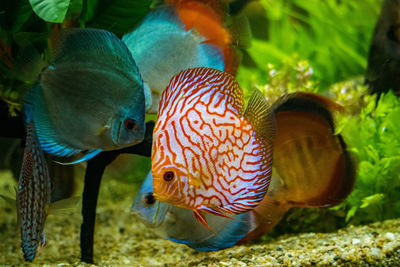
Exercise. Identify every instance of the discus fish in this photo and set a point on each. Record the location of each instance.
(90, 98)
(208, 155)
(312, 168)
(184, 34)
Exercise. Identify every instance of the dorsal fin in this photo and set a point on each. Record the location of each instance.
(307, 102)
(212, 8)
(203, 78)
(93, 45)
(259, 115)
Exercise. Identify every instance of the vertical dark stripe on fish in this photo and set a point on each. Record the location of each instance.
(33, 194)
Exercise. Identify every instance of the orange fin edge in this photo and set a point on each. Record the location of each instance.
(200, 217)
(218, 212)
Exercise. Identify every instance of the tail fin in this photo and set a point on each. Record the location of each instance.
(312, 167)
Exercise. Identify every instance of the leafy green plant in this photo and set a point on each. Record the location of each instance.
(50, 10)
(374, 136)
(30, 31)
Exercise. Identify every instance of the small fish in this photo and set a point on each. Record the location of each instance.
(33, 195)
(209, 155)
(179, 225)
(90, 98)
(184, 34)
(312, 169)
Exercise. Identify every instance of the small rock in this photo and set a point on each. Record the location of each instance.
(390, 236)
(375, 253)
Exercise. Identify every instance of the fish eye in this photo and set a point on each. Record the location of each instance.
(168, 176)
(129, 124)
(149, 198)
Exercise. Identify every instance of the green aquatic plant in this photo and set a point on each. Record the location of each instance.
(291, 76)
(374, 137)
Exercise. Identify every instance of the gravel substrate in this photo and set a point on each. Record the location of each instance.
(121, 240)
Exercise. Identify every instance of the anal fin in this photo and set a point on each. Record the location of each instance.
(200, 217)
(90, 154)
(217, 211)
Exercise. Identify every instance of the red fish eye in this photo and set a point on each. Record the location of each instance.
(129, 124)
(168, 176)
(149, 199)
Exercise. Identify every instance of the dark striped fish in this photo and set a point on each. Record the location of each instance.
(33, 195)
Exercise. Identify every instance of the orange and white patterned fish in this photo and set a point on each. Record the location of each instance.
(209, 155)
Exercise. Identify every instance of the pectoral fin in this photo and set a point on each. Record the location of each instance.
(259, 115)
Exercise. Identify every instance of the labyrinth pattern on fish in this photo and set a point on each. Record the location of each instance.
(219, 162)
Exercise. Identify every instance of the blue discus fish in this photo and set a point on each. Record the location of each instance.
(311, 169)
(90, 98)
(179, 225)
(184, 34)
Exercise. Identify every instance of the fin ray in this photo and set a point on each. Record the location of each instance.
(259, 114)
(200, 217)
(90, 154)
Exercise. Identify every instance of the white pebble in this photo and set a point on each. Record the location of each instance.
(376, 253)
(355, 241)
(389, 236)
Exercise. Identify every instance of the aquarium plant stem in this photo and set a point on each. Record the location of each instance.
(94, 172)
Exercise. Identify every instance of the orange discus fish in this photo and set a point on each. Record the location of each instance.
(208, 155)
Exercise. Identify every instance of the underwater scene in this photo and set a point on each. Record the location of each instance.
(199, 133)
